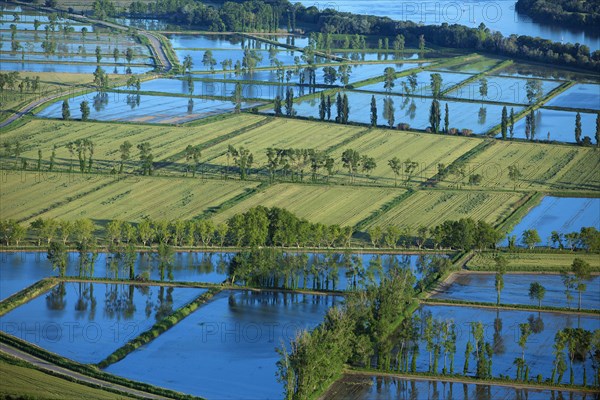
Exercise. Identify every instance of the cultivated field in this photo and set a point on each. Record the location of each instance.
(25, 196)
(340, 205)
(24, 382)
(283, 133)
(105, 198)
(533, 261)
(165, 141)
(50, 83)
(542, 167)
(432, 207)
(427, 150)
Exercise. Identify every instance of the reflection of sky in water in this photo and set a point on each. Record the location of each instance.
(238, 332)
(561, 214)
(88, 321)
(471, 287)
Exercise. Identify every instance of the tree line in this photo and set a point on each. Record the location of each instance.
(374, 329)
(257, 15)
(275, 227)
(562, 12)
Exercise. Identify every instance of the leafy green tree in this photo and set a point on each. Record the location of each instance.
(208, 60)
(146, 158)
(237, 97)
(351, 161)
(435, 116)
(145, 232)
(277, 106)
(125, 150)
(389, 111)
(504, 123)
(512, 123)
(525, 331)
(578, 128)
(436, 84)
(98, 54)
(66, 113)
(412, 82)
(501, 264)
(531, 238)
(188, 63)
(57, 255)
(446, 119)
(396, 166)
(389, 76)
(581, 269)
(537, 292)
(129, 56)
(84, 107)
(514, 173)
(289, 103)
(533, 88)
(373, 111)
(483, 88)
(558, 348)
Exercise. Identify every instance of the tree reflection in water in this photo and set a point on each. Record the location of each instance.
(55, 299)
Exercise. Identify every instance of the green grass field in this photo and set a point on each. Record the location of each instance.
(533, 261)
(432, 207)
(340, 205)
(427, 150)
(165, 141)
(542, 166)
(50, 83)
(283, 133)
(22, 381)
(102, 198)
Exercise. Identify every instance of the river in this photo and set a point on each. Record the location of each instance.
(498, 15)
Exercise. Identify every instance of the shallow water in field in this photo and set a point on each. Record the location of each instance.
(578, 96)
(22, 269)
(88, 321)
(413, 111)
(501, 330)
(365, 387)
(500, 89)
(233, 335)
(449, 79)
(224, 89)
(480, 287)
(142, 108)
(72, 57)
(286, 57)
(22, 25)
(357, 73)
(560, 124)
(70, 68)
(561, 214)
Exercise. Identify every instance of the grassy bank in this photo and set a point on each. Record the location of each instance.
(88, 370)
(26, 294)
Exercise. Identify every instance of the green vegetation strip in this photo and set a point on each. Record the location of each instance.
(384, 208)
(215, 141)
(553, 93)
(504, 306)
(23, 296)
(519, 212)
(427, 376)
(49, 381)
(158, 329)
(88, 370)
(473, 78)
